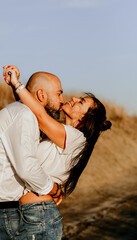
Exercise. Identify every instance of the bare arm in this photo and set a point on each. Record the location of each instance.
(15, 94)
(53, 129)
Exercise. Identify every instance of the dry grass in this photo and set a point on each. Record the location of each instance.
(6, 95)
(114, 156)
(115, 153)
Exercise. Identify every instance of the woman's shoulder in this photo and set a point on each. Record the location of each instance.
(74, 134)
(73, 130)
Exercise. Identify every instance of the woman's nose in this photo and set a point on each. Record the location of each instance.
(75, 99)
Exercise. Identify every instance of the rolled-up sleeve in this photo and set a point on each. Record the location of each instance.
(20, 141)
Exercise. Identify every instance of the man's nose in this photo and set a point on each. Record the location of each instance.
(61, 99)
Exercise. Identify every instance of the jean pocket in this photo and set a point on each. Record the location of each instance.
(13, 222)
(14, 226)
(32, 216)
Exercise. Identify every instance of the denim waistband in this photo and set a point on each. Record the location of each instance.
(38, 205)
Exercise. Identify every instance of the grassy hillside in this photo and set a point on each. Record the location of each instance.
(104, 201)
(115, 153)
(6, 95)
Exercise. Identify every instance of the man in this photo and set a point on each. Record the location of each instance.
(53, 89)
(19, 167)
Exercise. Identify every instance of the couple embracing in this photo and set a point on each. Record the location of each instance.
(34, 175)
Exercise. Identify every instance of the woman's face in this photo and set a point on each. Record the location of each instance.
(77, 107)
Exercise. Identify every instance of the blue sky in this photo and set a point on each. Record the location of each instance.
(91, 45)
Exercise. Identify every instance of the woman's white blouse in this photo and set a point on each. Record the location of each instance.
(56, 161)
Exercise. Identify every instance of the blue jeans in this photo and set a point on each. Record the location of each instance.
(11, 225)
(42, 221)
(33, 221)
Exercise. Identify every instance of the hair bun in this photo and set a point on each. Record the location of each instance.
(106, 125)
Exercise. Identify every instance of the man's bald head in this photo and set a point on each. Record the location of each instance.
(50, 86)
(39, 80)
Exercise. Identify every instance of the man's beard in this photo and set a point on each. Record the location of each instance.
(54, 114)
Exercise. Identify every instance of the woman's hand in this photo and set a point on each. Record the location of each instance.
(11, 74)
(57, 194)
(58, 200)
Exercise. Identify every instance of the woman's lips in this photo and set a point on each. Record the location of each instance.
(65, 104)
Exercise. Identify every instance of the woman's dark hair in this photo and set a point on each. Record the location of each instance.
(92, 124)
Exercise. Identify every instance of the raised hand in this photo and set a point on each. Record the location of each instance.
(11, 74)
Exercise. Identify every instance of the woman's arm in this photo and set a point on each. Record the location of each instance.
(15, 94)
(53, 129)
(17, 75)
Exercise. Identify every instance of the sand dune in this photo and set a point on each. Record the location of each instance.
(109, 178)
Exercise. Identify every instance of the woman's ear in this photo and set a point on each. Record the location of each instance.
(42, 96)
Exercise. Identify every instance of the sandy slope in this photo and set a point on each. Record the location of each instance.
(103, 206)
(109, 214)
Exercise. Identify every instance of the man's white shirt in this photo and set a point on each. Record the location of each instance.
(19, 166)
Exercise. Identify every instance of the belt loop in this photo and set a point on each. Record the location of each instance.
(44, 206)
(19, 205)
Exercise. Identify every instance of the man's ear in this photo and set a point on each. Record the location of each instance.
(41, 96)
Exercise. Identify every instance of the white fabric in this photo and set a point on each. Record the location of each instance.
(19, 139)
(56, 161)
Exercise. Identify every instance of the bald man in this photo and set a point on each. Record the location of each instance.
(20, 169)
(51, 85)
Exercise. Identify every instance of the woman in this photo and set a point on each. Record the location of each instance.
(85, 120)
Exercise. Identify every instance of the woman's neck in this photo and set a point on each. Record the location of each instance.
(70, 122)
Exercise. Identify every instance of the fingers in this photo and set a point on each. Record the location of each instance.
(6, 75)
(10, 79)
(11, 67)
(59, 200)
(4, 71)
(16, 70)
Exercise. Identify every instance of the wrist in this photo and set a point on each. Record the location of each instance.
(55, 192)
(16, 84)
(19, 88)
